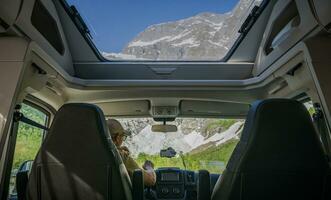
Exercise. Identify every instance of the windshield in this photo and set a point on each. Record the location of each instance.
(204, 143)
(164, 30)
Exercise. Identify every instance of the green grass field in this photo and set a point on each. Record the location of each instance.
(28, 138)
(201, 160)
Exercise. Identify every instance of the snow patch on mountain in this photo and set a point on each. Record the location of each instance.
(190, 42)
(147, 43)
(227, 135)
(121, 56)
(151, 143)
(194, 139)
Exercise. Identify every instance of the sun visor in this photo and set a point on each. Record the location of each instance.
(212, 109)
(125, 108)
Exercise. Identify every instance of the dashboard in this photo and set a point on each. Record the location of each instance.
(177, 184)
(173, 183)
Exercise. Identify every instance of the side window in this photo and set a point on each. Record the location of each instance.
(316, 112)
(310, 107)
(28, 142)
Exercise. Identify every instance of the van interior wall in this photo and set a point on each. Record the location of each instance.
(20, 76)
(12, 69)
(294, 79)
(307, 71)
(319, 64)
(41, 78)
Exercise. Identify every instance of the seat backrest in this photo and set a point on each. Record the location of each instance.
(21, 184)
(78, 160)
(279, 156)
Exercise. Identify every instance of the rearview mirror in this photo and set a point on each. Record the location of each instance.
(165, 128)
(168, 153)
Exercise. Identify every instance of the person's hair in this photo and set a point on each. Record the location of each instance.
(114, 136)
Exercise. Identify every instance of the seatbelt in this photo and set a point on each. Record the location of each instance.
(320, 124)
(9, 157)
(20, 117)
(323, 133)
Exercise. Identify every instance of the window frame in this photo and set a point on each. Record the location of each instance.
(48, 114)
(8, 164)
(81, 26)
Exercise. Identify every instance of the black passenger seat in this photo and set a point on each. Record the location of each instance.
(279, 156)
(78, 160)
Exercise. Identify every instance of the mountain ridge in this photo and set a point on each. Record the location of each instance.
(205, 36)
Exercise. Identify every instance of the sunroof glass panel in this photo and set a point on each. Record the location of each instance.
(164, 30)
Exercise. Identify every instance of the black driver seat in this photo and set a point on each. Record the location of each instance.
(279, 156)
(78, 159)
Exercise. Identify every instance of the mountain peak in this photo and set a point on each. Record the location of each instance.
(209, 15)
(205, 36)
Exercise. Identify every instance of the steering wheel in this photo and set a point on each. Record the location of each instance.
(150, 194)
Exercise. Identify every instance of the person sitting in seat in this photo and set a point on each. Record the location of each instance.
(118, 136)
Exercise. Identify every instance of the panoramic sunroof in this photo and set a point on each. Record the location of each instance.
(164, 30)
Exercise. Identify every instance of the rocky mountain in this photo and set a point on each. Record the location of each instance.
(206, 36)
(193, 135)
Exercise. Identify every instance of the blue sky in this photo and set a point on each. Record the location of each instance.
(114, 23)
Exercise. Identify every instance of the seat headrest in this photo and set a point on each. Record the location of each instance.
(280, 113)
(279, 133)
(78, 133)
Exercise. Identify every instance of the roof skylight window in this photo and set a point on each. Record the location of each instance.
(164, 30)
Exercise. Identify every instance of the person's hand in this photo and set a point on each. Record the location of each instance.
(124, 148)
(124, 151)
(148, 165)
(150, 176)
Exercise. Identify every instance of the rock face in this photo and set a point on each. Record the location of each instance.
(206, 36)
(193, 135)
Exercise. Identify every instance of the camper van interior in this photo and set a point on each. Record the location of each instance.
(165, 100)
